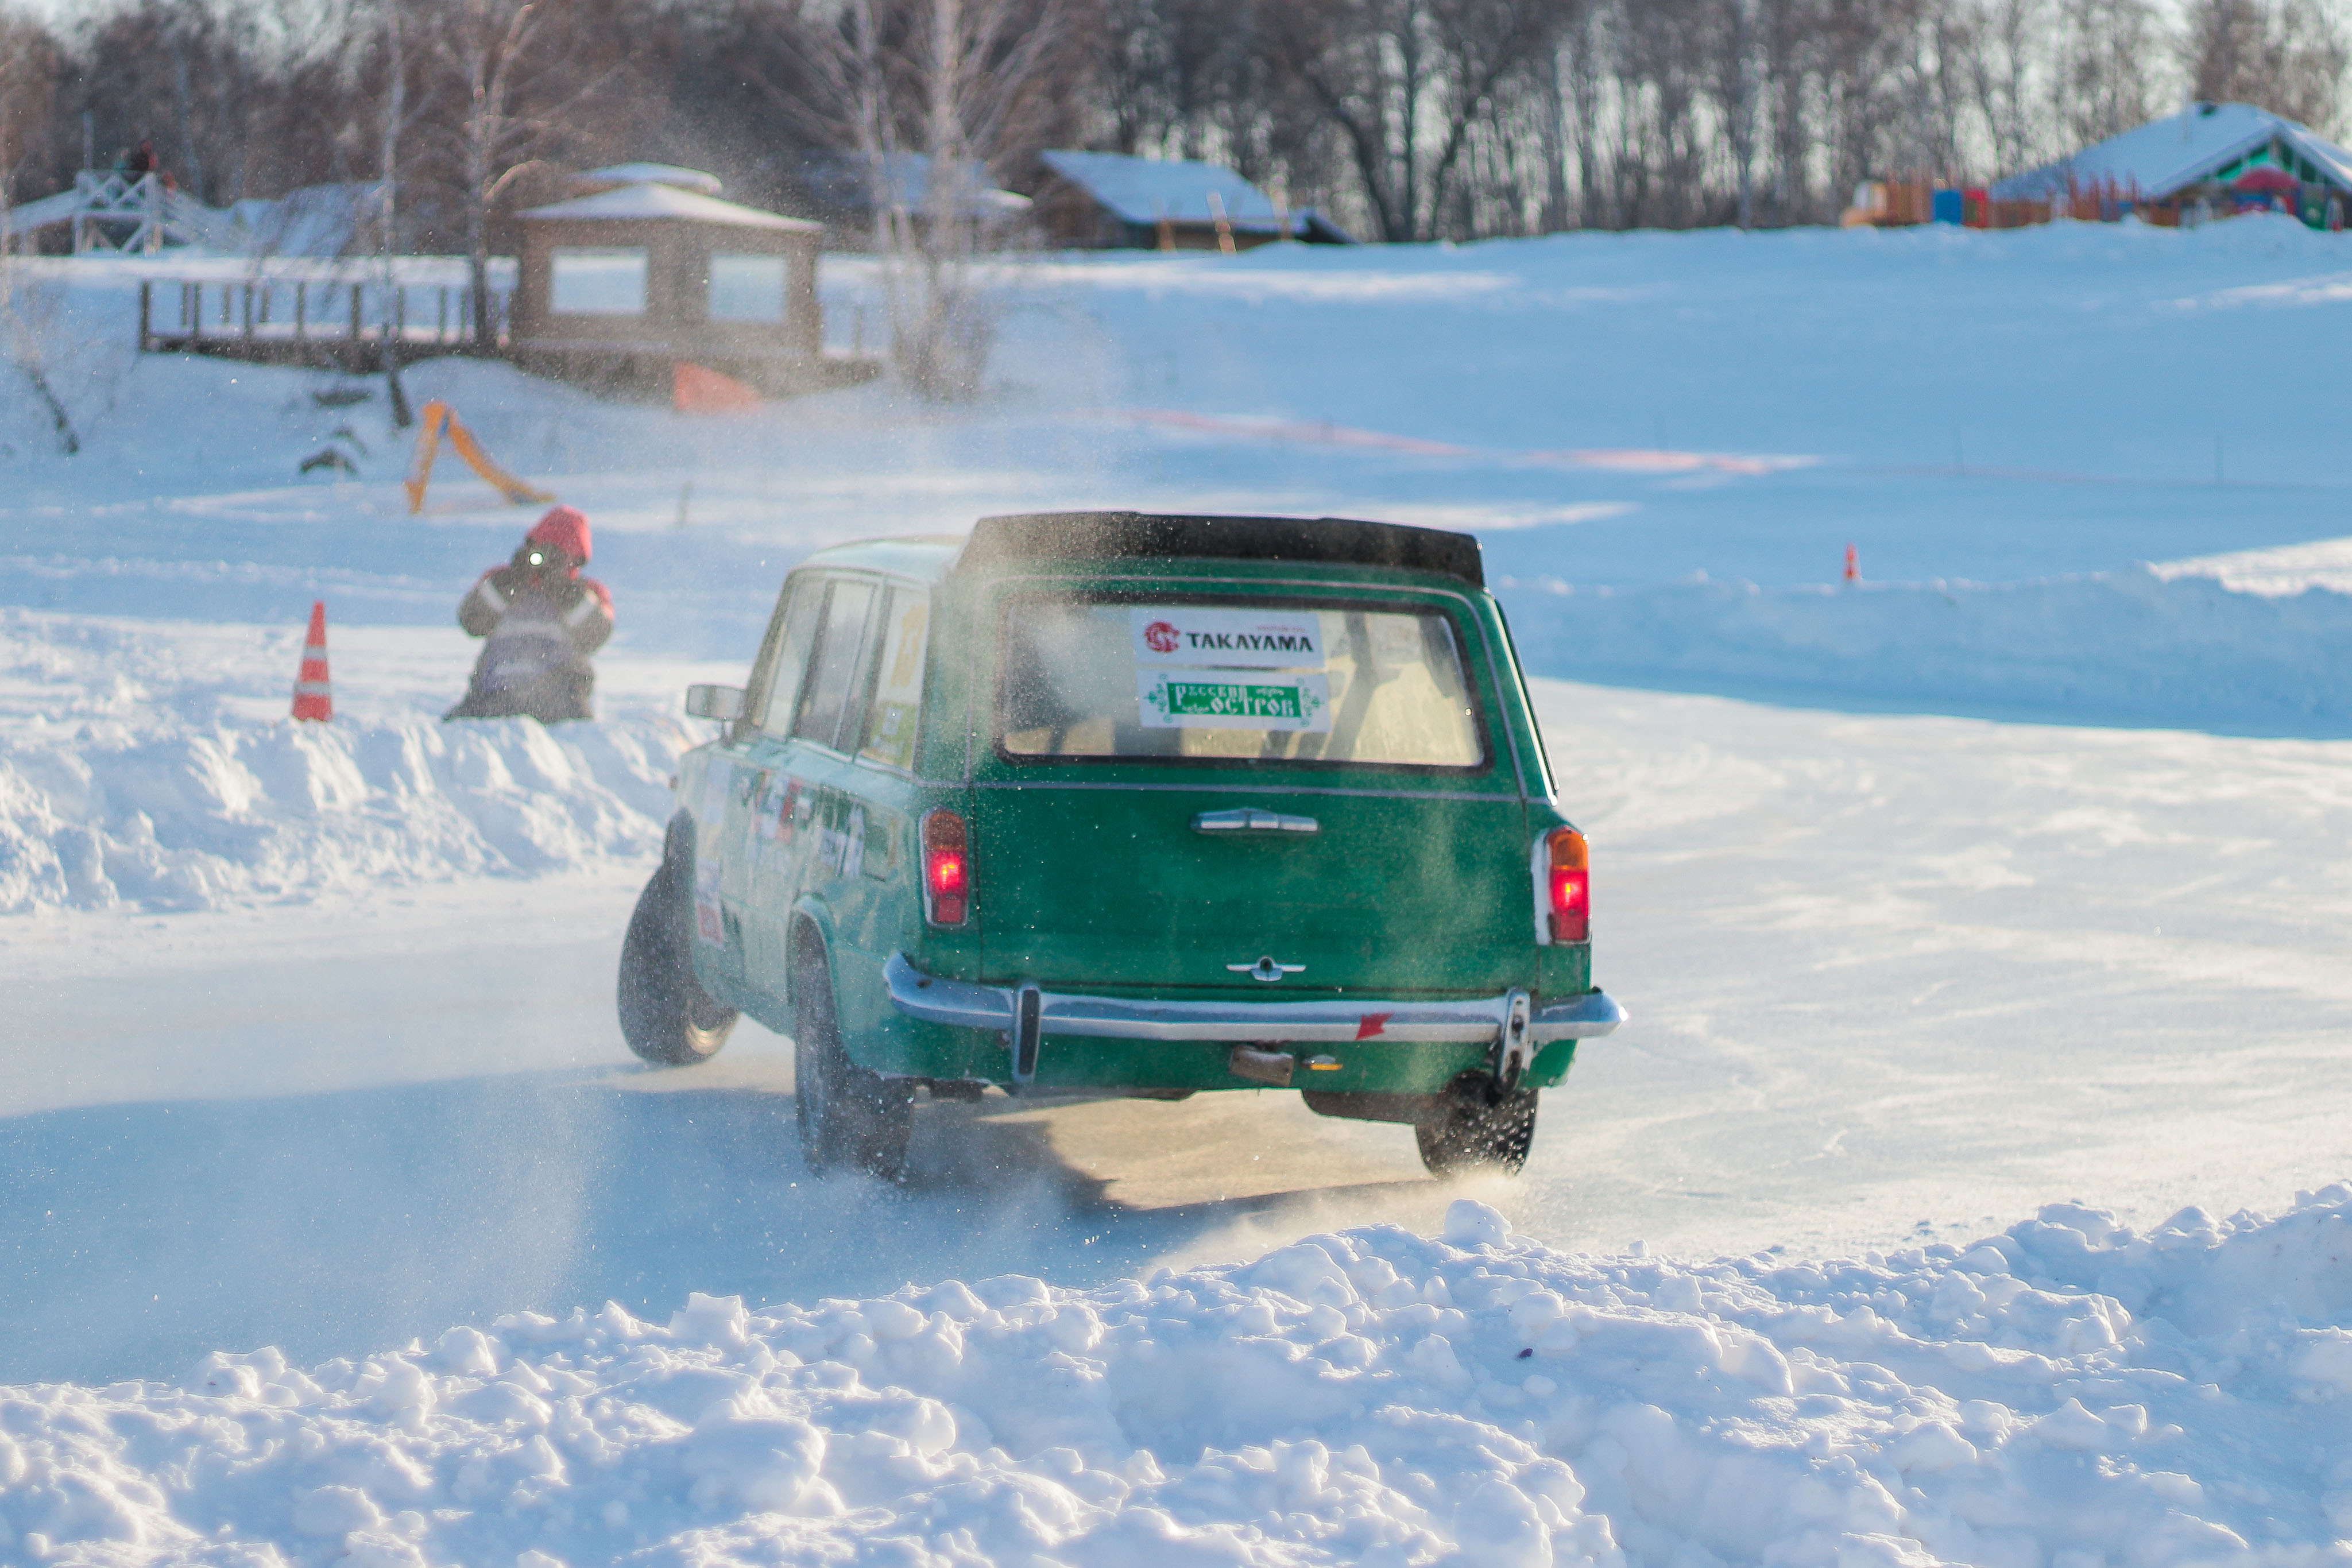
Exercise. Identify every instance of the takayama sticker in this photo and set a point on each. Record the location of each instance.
(1221, 699)
(1234, 638)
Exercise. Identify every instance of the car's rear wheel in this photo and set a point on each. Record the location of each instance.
(849, 1116)
(666, 1015)
(1473, 1134)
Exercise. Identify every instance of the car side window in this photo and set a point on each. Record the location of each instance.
(788, 660)
(825, 698)
(898, 680)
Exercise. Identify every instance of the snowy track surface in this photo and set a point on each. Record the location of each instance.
(2066, 1392)
(1896, 980)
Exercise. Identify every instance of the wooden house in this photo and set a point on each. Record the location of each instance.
(2209, 159)
(1099, 201)
(619, 287)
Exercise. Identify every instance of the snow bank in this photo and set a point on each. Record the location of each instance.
(221, 813)
(2137, 646)
(2066, 1392)
(151, 767)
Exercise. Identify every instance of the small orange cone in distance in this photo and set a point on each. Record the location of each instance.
(697, 389)
(1852, 564)
(313, 698)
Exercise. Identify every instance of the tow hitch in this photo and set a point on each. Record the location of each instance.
(1513, 1050)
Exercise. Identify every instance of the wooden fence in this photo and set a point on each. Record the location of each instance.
(342, 322)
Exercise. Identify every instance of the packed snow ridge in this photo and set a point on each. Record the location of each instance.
(2168, 646)
(2065, 1394)
(142, 771)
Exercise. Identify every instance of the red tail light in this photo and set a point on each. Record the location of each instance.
(1566, 866)
(946, 869)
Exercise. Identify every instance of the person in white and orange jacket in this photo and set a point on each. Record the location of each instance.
(541, 620)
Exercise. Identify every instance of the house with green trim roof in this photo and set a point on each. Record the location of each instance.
(2216, 154)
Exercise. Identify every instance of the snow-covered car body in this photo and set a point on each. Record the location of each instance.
(1129, 803)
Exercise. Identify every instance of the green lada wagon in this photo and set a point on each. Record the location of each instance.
(1125, 804)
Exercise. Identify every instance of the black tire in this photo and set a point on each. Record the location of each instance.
(1476, 1136)
(849, 1116)
(666, 1015)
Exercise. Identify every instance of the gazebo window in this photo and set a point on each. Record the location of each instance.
(596, 281)
(745, 288)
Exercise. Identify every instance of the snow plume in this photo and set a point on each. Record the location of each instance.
(1366, 1398)
(143, 771)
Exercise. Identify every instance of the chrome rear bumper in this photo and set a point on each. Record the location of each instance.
(1478, 1020)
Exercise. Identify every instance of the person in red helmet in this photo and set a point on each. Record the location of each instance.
(541, 619)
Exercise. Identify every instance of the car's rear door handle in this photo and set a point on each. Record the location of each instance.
(1250, 821)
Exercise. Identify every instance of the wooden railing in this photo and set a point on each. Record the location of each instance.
(253, 317)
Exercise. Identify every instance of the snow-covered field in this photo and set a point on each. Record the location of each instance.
(1667, 441)
(311, 1041)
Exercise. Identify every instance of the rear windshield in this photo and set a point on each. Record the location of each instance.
(1332, 684)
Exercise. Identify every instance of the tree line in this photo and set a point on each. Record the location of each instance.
(1403, 120)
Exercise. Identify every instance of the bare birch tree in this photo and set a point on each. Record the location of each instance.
(2107, 71)
(29, 68)
(957, 83)
(2286, 55)
(483, 44)
(1736, 89)
(2001, 50)
(1404, 82)
(395, 123)
(516, 86)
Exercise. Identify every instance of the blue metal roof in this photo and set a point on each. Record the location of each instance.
(1146, 190)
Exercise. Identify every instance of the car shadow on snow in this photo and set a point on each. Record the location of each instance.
(136, 1237)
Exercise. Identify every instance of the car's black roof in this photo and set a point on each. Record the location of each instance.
(1118, 536)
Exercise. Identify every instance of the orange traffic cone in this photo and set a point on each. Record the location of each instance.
(313, 697)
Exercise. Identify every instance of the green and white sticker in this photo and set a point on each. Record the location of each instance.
(1231, 699)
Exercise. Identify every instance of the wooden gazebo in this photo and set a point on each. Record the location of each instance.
(618, 287)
